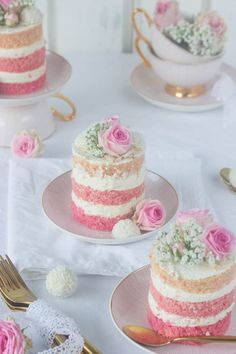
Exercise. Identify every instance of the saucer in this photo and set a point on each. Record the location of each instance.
(128, 306)
(151, 88)
(56, 202)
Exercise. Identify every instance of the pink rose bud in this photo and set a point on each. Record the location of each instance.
(116, 140)
(150, 215)
(27, 144)
(202, 217)
(167, 13)
(11, 19)
(219, 240)
(11, 338)
(214, 21)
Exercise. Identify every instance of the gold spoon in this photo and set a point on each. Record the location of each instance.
(150, 338)
(224, 174)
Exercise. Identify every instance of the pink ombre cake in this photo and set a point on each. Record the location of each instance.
(108, 174)
(193, 278)
(22, 49)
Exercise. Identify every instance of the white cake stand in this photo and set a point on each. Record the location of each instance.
(33, 111)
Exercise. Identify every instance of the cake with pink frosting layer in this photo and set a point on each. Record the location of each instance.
(193, 277)
(22, 48)
(108, 174)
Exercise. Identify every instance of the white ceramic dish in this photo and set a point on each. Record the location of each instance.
(152, 88)
(128, 305)
(56, 204)
(185, 75)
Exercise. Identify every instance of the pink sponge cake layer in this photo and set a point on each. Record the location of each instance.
(108, 197)
(96, 222)
(170, 331)
(23, 64)
(22, 88)
(193, 309)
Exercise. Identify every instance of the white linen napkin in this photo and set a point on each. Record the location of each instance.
(36, 245)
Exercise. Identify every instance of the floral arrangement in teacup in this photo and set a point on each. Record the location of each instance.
(149, 216)
(27, 143)
(202, 35)
(12, 338)
(195, 238)
(19, 12)
(109, 138)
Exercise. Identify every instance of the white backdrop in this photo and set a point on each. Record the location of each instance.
(104, 25)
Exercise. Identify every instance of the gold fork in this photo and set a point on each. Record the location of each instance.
(18, 296)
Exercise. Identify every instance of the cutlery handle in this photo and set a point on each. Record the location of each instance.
(207, 339)
(88, 347)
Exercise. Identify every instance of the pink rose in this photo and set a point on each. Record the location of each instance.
(26, 144)
(149, 215)
(11, 19)
(214, 21)
(167, 13)
(202, 217)
(219, 240)
(5, 4)
(116, 140)
(12, 340)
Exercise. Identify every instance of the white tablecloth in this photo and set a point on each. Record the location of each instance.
(100, 86)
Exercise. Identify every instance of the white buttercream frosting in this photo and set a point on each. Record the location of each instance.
(17, 29)
(199, 271)
(108, 211)
(179, 295)
(181, 321)
(125, 228)
(24, 77)
(22, 51)
(114, 182)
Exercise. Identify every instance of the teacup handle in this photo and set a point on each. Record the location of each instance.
(136, 27)
(61, 116)
(138, 40)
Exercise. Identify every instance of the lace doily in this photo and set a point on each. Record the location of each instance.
(52, 322)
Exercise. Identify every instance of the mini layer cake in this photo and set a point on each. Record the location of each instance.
(193, 278)
(108, 174)
(22, 51)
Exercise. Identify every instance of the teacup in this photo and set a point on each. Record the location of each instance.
(182, 80)
(161, 45)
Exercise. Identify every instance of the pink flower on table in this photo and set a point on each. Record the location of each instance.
(214, 21)
(116, 140)
(12, 340)
(27, 144)
(149, 215)
(201, 216)
(219, 240)
(5, 4)
(167, 13)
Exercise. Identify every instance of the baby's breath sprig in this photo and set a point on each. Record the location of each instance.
(183, 245)
(92, 140)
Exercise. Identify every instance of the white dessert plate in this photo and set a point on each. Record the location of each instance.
(128, 306)
(58, 73)
(152, 89)
(56, 202)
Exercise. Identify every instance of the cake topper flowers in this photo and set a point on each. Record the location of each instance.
(13, 12)
(195, 240)
(109, 137)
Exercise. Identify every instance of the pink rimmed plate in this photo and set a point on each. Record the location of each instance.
(56, 204)
(129, 304)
